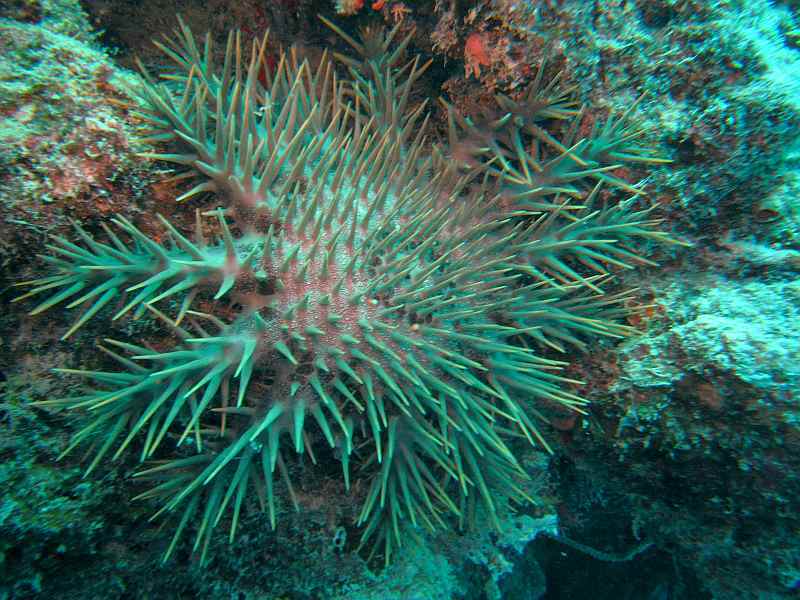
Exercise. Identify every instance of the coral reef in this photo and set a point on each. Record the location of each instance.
(724, 359)
(349, 7)
(725, 76)
(371, 305)
(84, 166)
(678, 481)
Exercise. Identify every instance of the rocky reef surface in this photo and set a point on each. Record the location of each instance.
(680, 482)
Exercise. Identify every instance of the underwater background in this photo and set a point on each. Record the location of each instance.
(469, 299)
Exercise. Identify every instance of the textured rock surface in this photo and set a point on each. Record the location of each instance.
(689, 453)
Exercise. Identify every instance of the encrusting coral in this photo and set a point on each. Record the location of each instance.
(380, 304)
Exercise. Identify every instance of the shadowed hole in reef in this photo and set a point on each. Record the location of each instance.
(570, 573)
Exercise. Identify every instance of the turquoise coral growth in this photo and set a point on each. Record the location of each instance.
(380, 303)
